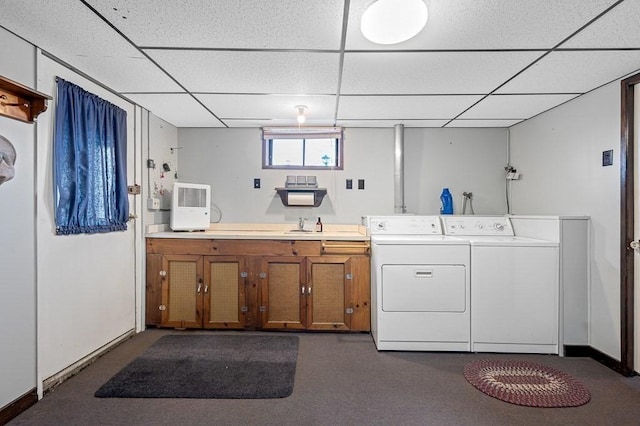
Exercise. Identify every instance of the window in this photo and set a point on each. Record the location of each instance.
(318, 148)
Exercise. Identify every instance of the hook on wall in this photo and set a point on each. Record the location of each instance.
(175, 147)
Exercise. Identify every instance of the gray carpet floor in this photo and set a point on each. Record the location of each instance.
(341, 379)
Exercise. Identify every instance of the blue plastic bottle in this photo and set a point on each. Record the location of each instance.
(446, 202)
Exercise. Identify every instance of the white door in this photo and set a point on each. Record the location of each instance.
(86, 283)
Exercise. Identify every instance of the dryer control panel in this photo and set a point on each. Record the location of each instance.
(404, 225)
(477, 225)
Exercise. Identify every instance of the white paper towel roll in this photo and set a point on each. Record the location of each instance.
(300, 198)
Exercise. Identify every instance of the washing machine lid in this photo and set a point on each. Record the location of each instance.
(416, 240)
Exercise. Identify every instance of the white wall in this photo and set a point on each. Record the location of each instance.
(17, 228)
(470, 160)
(464, 160)
(559, 156)
(229, 160)
(159, 137)
(86, 283)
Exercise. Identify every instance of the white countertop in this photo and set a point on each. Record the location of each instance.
(264, 231)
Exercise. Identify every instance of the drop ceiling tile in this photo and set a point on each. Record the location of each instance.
(257, 24)
(127, 74)
(430, 72)
(252, 72)
(403, 107)
(483, 123)
(515, 107)
(619, 28)
(92, 47)
(488, 24)
(573, 72)
(178, 109)
(391, 123)
(269, 106)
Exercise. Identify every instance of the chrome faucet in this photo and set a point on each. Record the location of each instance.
(301, 223)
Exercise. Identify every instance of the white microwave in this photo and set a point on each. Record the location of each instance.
(190, 205)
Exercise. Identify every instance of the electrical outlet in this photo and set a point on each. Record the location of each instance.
(153, 203)
(151, 164)
(349, 183)
(607, 158)
(256, 183)
(360, 183)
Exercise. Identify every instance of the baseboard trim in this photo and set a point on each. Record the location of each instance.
(55, 380)
(18, 406)
(602, 358)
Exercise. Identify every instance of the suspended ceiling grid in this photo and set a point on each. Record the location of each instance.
(248, 63)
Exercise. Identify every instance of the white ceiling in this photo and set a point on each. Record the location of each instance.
(248, 63)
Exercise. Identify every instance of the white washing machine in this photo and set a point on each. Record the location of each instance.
(514, 286)
(419, 285)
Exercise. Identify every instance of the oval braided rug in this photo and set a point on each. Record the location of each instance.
(526, 383)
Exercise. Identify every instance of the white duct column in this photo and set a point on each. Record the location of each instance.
(398, 172)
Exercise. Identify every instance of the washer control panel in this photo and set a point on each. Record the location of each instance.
(477, 225)
(403, 225)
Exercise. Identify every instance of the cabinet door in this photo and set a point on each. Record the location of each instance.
(328, 293)
(359, 270)
(224, 291)
(283, 292)
(182, 291)
(153, 290)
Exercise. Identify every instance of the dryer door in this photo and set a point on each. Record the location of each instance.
(423, 288)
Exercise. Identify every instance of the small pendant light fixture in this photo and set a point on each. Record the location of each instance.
(393, 21)
(301, 117)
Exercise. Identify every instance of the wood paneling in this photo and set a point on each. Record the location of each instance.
(253, 284)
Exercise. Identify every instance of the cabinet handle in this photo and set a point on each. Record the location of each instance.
(309, 291)
(303, 289)
(206, 289)
(199, 286)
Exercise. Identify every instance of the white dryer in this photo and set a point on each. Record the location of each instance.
(514, 286)
(419, 285)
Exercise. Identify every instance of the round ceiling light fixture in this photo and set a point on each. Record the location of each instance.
(393, 21)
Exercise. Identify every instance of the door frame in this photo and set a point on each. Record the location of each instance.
(627, 224)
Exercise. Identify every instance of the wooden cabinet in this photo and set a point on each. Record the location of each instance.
(194, 291)
(182, 291)
(224, 302)
(283, 292)
(266, 284)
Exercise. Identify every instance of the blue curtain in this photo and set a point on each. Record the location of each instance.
(90, 163)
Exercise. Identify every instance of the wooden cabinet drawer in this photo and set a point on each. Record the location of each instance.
(346, 247)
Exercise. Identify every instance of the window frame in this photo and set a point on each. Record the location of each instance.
(269, 134)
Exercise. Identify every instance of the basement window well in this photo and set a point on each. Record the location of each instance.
(317, 148)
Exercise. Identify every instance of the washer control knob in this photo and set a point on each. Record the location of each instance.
(499, 227)
(381, 225)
